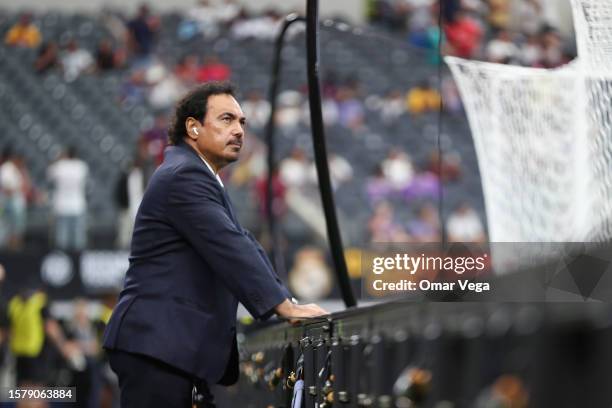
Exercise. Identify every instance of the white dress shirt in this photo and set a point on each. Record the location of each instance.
(212, 171)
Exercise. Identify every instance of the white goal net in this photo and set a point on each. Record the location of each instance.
(544, 138)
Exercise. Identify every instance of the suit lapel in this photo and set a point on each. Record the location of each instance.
(230, 207)
(226, 200)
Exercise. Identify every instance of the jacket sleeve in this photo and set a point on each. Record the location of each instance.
(264, 257)
(195, 209)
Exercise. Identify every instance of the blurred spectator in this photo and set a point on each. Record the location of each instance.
(450, 96)
(187, 70)
(351, 113)
(289, 111)
(382, 226)
(389, 14)
(449, 169)
(213, 70)
(464, 34)
(528, 15)
(330, 110)
(340, 171)
(279, 205)
(426, 227)
(153, 141)
(392, 106)
(134, 89)
(69, 177)
(252, 164)
(424, 31)
(479, 7)
(108, 58)
(502, 49)
(14, 186)
(378, 188)
(499, 14)
(424, 185)
(30, 326)
(128, 195)
(464, 225)
(211, 16)
(421, 14)
(423, 98)
(264, 27)
(86, 378)
(428, 38)
(105, 57)
(552, 52)
(329, 84)
(165, 87)
(75, 60)
(141, 33)
(256, 109)
(530, 53)
(24, 33)
(450, 9)
(398, 169)
(47, 58)
(115, 25)
(293, 170)
(310, 277)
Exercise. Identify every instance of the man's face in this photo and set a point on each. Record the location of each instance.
(221, 134)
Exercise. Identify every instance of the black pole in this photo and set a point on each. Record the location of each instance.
(277, 253)
(443, 237)
(320, 150)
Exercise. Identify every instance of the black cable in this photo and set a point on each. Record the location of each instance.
(440, 123)
(276, 252)
(320, 150)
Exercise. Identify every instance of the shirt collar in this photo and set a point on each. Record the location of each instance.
(212, 171)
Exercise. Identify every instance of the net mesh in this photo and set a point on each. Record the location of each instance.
(543, 138)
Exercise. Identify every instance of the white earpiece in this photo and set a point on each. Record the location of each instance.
(195, 131)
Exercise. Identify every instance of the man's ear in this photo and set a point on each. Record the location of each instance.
(192, 125)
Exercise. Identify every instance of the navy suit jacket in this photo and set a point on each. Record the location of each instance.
(190, 264)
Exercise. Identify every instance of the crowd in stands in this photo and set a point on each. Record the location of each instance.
(493, 30)
(16, 191)
(500, 31)
(67, 181)
(49, 351)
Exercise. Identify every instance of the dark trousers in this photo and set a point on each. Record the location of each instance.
(145, 382)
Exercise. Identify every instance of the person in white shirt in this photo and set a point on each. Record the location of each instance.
(13, 198)
(502, 49)
(340, 171)
(256, 109)
(398, 169)
(293, 170)
(75, 60)
(210, 16)
(528, 16)
(393, 106)
(464, 225)
(69, 178)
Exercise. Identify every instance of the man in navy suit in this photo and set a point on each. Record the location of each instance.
(191, 263)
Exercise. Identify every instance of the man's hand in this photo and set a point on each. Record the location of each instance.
(294, 312)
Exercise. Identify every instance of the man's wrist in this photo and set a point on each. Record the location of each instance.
(285, 308)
